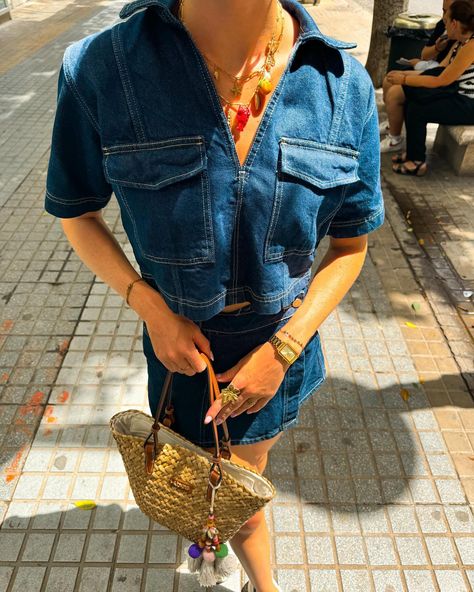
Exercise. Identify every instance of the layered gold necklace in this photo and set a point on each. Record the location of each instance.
(264, 85)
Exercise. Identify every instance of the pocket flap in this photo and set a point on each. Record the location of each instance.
(155, 164)
(319, 164)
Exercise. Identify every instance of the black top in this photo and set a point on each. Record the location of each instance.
(438, 31)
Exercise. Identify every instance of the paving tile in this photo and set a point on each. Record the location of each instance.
(355, 581)
(293, 580)
(101, 547)
(38, 547)
(93, 578)
(319, 550)
(410, 550)
(350, 550)
(10, 544)
(460, 519)
(387, 581)
(323, 580)
(163, 548)
(28, 578)
(380, 551)
(451, 581)
(419, 581)
(289, 550)
(132, 548)
(431, 519)
(465, 547)
(61, 579)
(127, 579)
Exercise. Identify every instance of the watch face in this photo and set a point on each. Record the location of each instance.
(288, 353)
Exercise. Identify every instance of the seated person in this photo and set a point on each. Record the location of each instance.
(442, 95)
(436, 49)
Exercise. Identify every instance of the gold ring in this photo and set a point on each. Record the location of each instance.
(229, 394)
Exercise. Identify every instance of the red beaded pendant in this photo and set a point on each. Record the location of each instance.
(242, 117)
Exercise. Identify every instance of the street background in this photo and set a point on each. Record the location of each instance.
(375, 483)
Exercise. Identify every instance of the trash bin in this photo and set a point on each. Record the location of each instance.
(409, 35)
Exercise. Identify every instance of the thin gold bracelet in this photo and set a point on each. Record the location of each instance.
(292, 338)
(129, 288)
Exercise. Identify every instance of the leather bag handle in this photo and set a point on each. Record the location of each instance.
(220, 451)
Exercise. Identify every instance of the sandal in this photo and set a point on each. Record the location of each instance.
(399, 158)
(401, 169)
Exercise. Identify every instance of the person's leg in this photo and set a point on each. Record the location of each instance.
(395, 100)
(252, 543)
(452, 109)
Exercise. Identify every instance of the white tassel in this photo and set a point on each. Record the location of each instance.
(225, 566)
(194, 564)
(207, 574)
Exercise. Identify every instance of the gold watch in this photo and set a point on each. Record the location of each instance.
(284, 349)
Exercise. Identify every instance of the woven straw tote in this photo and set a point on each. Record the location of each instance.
(202, 496)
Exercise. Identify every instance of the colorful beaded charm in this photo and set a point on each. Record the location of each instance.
(242, 117)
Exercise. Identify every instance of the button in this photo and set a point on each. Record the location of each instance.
(297, 302)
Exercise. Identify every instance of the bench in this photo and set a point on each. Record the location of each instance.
(455, 143)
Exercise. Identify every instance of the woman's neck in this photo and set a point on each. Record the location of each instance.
(233, 33)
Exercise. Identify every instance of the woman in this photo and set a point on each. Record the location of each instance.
(436, 49)
(235, 136)
(443, 95)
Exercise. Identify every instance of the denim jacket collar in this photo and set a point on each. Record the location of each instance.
(309, 29)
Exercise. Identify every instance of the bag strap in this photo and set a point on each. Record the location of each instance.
(220, 451)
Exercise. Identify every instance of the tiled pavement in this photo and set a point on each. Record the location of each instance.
(375, 483)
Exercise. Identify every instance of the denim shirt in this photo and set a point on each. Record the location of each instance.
(138, 115)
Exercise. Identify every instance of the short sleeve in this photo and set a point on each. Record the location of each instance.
(75, 182)
(362, 209)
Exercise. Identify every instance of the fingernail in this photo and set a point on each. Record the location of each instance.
(219, 421)
(233, 414)
(208, 419)
(212, 356)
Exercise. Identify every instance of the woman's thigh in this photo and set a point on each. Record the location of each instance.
(254, 455)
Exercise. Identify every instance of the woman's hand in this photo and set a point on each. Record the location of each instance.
(177, 342)
(258, 375)
(396, 77)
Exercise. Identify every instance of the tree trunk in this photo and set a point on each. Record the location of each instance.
(383, 16)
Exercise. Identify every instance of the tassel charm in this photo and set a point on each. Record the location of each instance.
(209, 556)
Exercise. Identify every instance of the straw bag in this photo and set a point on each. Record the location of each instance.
(202, 496)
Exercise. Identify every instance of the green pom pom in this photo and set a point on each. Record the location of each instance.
(223, 551)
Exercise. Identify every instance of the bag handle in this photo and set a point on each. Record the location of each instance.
(223, 451)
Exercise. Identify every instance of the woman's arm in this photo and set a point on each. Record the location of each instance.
(176, 340)
(97, 247)
(336, 273)
(464, 58)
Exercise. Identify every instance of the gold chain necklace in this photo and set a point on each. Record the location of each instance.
(264, 85)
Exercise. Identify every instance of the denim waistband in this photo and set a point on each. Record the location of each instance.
(244, 320)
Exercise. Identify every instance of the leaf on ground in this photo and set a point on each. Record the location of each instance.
(85, 504)
(411, 325)
(416, 306)
(405, 395)
(421, 241)
(409, 229)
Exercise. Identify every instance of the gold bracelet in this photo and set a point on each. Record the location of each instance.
(292, 338)
(129, 288)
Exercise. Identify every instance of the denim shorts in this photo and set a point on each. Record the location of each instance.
(232, 336)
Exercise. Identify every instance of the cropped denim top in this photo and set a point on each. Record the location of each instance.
(138, 115)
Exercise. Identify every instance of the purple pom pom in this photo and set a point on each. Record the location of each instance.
(194, 551)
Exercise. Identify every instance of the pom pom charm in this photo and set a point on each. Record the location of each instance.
(208, 555)
(222, 551)
(195, 551)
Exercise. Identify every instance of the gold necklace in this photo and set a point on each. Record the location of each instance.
(264, 85)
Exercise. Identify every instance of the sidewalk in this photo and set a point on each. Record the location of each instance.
(375, 483)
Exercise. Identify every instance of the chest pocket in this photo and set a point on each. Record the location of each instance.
(310, 186)
(163, 191)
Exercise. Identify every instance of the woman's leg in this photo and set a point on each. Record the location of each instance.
(394, 104)
(453, 109)
(252, 543)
